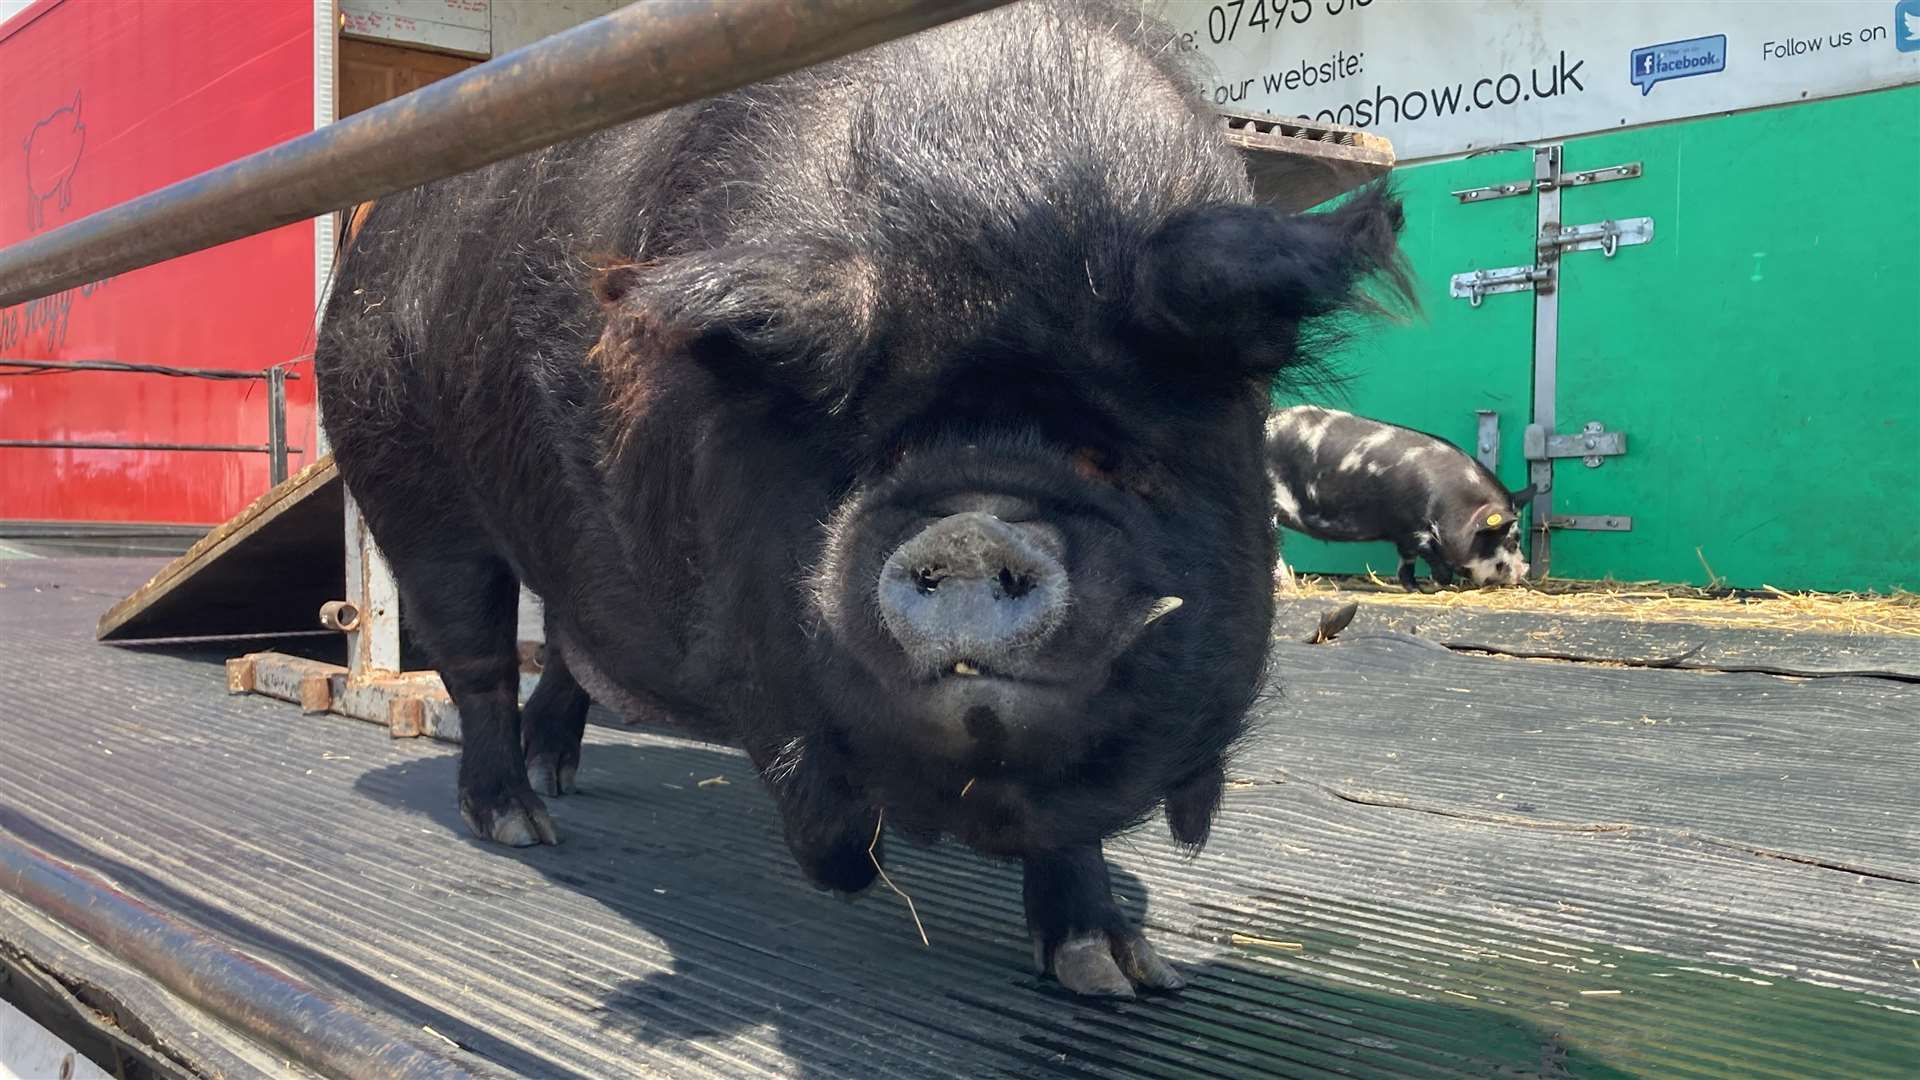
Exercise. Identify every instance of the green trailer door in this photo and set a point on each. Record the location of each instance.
(1436, 371)
(1761, 353)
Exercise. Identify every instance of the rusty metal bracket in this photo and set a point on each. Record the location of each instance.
(408, 704)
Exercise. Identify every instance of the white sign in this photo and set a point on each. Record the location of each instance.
(1442, 78)
(457, 25)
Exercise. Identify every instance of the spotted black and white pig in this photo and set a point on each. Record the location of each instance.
(899, 420)
(1337, 476)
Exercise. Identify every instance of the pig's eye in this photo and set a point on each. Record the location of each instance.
(1091, 464)
(1097, 466)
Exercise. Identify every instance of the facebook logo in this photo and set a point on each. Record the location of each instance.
(1680, 59)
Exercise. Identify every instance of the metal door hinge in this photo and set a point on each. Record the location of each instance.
(1525, 187)
(1628, 171)
(1591, 522)
(1495, 191)
(1487, 439)
(1593, 444)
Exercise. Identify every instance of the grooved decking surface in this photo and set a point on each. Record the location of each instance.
(1490, 867)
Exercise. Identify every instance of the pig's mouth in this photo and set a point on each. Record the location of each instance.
(1017, 716)
(968, 672)
(988, 721)
(978, 609)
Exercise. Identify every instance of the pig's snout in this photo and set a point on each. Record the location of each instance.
(974, 595)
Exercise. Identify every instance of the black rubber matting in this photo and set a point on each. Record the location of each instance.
(1429, 865)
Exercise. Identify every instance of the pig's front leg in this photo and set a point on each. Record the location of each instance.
(1079, 934)
(831, 828)
(1408, 573)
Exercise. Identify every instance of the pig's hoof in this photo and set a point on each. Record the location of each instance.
(849, 897)
(847, 871)
(1109, 964)
(518, 820)
(552, 774)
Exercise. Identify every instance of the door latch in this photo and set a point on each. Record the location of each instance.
(1592, 445)
(1605, 236)
(1475, 285)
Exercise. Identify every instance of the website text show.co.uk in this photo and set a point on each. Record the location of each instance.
(1554, 79)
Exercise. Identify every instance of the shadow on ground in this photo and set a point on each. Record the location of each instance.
(713, 883)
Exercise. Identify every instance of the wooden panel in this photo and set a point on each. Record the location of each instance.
(371, 73)
(1667, 643)
(265, 571)
(1299, 164)
(456, 25)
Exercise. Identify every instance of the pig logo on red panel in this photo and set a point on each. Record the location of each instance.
(53, 152)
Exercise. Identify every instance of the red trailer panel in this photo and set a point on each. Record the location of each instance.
(99, 103)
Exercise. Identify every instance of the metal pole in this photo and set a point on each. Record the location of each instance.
(135, 369)
(277, 425)
(325, 1033)
(636, 61)
(1546, 356)
(76, 444)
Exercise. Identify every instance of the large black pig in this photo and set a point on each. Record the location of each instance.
(899, 419)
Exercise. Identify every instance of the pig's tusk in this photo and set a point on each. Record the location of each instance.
(1166, 605)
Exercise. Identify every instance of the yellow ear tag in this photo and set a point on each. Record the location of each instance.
(1494, 519)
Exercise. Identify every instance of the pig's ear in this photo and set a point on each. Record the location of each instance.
(760, 316)
(1524, 496)
(1244, 288)
(612, 282)
(1491, 517)
(1192, 803)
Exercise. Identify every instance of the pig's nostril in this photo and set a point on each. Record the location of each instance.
(970, 592)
